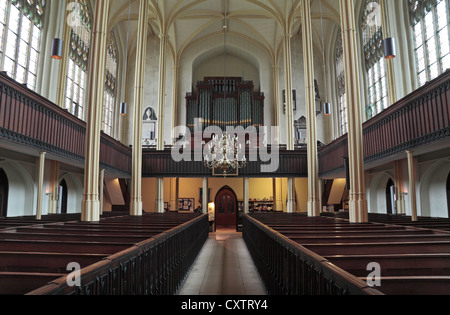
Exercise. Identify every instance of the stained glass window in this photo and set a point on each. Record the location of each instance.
(110, 85)
(429, 21)
(79, 20)
(340, 83)
(21, 23)
(372, 35)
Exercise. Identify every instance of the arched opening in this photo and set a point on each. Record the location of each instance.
(390, 197)
(448, 194)
(226, 206)
(63, 197)
(4, 188)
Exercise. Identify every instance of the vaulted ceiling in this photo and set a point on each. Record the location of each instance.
(190, 22)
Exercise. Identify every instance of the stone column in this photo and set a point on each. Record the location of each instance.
(54, 187)
(175, 70)
(40, 192)
(141, 51)
(358, 201)
(390, 75)
(173, 202)
(102, 179)
(205, 195)
(62, 75)
(159, 195)
(277, 196)
(246, 195)
(90, 204)
(162, 90)
(308, 62)
(288, 92)
(412, 184)
(276, 96)
(290, 195)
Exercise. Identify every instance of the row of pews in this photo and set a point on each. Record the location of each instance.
(36, 257)
(414, 257)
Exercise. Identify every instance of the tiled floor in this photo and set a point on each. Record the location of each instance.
(223, 267)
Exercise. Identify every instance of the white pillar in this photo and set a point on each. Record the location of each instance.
(40, 186)
(288, 89)
(412, 184)
(97, 74)
(246, 195)
(205, 195)
(358, 201)
(102, 179)
(308, 61)
(159, 195)
(136, 172)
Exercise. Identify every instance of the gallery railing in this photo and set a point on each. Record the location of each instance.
(287, 268)
(418, 119)
(31, 120)
(156, 266)
(281, 164)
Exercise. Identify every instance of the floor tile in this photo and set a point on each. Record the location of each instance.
(223, 267)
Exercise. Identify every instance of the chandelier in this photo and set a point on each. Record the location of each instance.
(224, 155)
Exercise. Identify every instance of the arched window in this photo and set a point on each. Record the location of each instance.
(21, 23)
(372, 36)
(429, 22)
(110, 85)
(80, 38)
(340, 83)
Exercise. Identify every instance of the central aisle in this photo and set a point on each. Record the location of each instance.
(223, 267)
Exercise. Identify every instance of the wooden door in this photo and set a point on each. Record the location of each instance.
(226, 208)
(3, 194)
(63, 197)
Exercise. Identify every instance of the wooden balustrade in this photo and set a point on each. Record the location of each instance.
(29, 119)
(418, 119)
(287, 268)
(161, 164)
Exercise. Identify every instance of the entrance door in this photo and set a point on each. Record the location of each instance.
(226, 208)
(390, 203)
(63, 197)
(3, 194)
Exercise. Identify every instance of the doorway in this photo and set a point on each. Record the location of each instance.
(390, 197)
(4, 188)
(226, 206)
(63, 197)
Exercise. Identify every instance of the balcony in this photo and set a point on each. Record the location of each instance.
(30, 123)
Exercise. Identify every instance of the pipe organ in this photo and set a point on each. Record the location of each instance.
(225, 102)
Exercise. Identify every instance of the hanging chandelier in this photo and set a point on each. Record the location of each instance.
(223, 155)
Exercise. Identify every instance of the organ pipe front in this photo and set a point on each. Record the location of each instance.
(225, 102)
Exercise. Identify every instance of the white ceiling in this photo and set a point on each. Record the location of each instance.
(194, 22)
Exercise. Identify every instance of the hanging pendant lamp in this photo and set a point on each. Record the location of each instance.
(123, 105)
(326, 105)
(123, 109)
(389, 48)
(57, 48)
(327, 109)
(389, 42)
(57, 43)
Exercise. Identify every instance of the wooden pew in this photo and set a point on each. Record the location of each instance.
(415, 254)
(44, 262)
(416, 285)
(395, 264)
(19, 283)
(34, 253)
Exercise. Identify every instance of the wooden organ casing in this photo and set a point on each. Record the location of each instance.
(225, 102)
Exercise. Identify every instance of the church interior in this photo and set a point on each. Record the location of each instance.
(134, 132)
